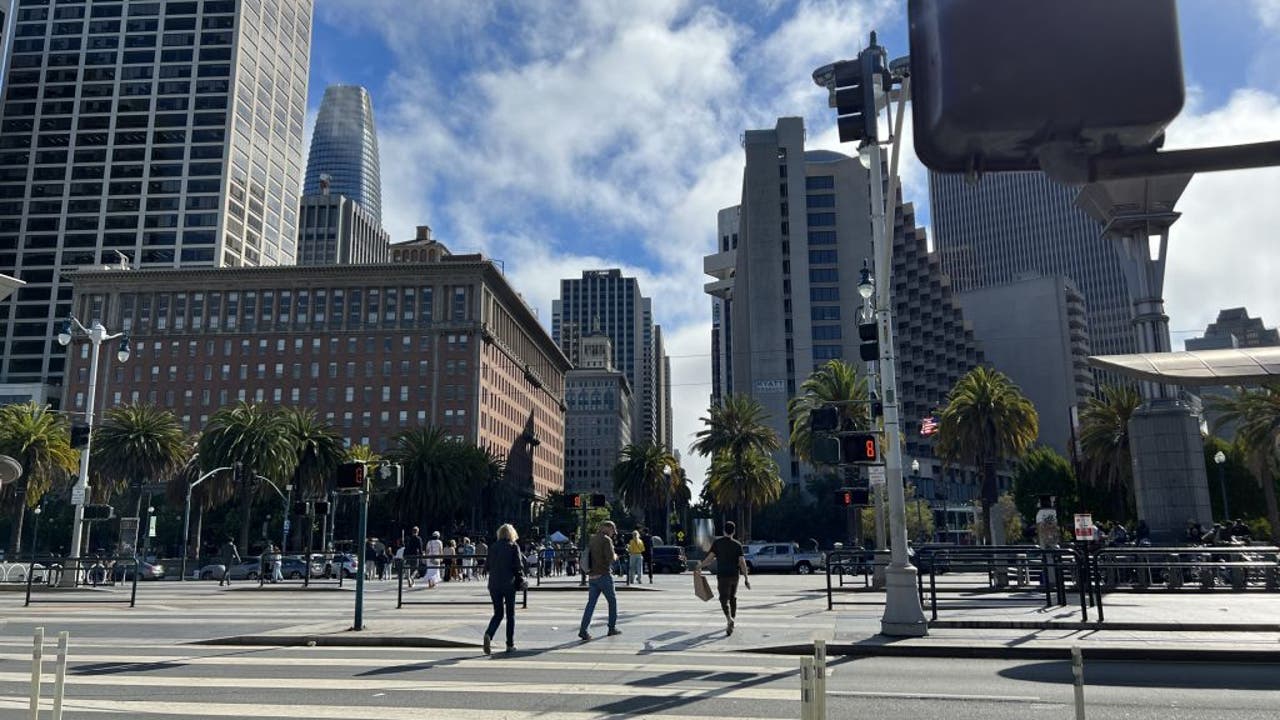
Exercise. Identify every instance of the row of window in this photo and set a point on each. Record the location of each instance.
(104, 8)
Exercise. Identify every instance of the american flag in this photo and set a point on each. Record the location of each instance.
(929, 425)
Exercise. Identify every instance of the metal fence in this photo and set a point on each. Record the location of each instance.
(414, 563)
(50, 576)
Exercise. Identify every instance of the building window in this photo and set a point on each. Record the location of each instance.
(824, 219)
(826, 332)
(822, 237)
(824, 294)
(820, 182)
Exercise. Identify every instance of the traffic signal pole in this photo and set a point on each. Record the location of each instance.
(363, 498)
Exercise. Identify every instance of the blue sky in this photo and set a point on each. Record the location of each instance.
(560, 136)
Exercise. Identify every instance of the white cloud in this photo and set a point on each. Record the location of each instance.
(1268, 13)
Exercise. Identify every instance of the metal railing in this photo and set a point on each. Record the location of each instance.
(414, 563)
(1240, 568)
(1057, 572)
(849, 563)
(92, 572)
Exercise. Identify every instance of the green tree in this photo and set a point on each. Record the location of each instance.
(38, 439)
(1256, 415)
(441, 475)
(317, 448)
(1244, 493)
(136, 444)
(1012, 520)
(987, 420)
(835, 382)
(1044, 472)
(1104, 446)
(215, 491)
(255, 436)
(646, 478)
(362, 452)
(738, 440)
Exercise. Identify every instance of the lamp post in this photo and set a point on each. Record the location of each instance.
(1220, 459)
(915, 479)
(96, 336)
(186, 520)
(867, 289)
(146, 542)
(35, 530)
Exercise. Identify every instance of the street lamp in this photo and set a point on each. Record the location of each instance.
(96, 335)
(35, 530)
(1220, 459)
(186, 520)
(146, 541)
(915, 478)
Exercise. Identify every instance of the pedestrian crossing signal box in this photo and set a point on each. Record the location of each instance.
(351, 477)
(860, 448)
(598, 500)
(321, 508)
(852, 497)
(573, 502)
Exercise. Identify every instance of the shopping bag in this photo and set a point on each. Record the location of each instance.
(701, 587)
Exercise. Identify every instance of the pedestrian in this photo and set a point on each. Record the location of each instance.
(384, 561)
(230, 557)
(648, 551)
(412, 555)
(397, 562)
(435, 551)
(730, 564)
(482, 554)
(277, 565)
(635, 551)
(468, 551)
(370, 558)
(600, 557)
(506, 576)
(451, 560)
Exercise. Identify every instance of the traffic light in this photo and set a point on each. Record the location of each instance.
(869, 334)
(855, 96)
(859, 448)
(300, 508)
(1073, 75)
(824, 419)
(852, 497)
(351, 476)
(573, 502)
(388, 477)
(79, 435)
(321, 508)
(844, 498)
(96, 513)
(825, 450)
(598, 500)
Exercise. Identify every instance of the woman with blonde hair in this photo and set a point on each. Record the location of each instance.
(506, 576)
(635, 549)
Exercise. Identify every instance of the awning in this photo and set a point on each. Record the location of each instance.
(1233, 366)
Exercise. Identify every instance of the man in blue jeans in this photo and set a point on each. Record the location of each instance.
(600, 558)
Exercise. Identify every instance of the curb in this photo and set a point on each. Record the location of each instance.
(1002, 652)
(346, 640)
(1131, 626)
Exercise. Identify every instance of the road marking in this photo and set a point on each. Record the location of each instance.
(933, 696)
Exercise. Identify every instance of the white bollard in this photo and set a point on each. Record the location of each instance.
(820, 679)
(1077, 670)
(806, 689)
(37, 662)
(60, 674)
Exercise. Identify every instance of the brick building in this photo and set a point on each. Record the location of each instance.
(374, 349)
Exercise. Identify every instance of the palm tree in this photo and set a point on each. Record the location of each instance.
(318, 448)
(362, 452)
(1104, 446)
(735, 434)
(646, 477)
(987, 420)
(437, 481)
(37, 438)
(136, 444)
(835, 382)
(744, 483)
(1256, 414)
(254, 436)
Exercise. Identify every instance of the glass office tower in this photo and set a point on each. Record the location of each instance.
(344, 147)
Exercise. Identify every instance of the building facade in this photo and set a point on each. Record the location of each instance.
(1043, 347)
(784, 297)
(1014, 225)
(603, 301)
(374, 349)
(334, 229)
(159, 134)
(344, 149)
(1235, 329)
(597, 419)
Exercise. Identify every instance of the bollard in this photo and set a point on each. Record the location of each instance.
(806, 689)
(1077, 671)
(60, 674)
(820, 679)
(37, 661)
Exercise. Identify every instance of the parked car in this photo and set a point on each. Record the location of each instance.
(123, 571)
(785, 557)
(249, 568)
(669, 559)
(327, 565)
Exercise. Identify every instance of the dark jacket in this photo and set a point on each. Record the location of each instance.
(413, 546)
(504, 565)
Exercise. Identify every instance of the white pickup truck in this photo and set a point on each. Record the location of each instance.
(784, 557)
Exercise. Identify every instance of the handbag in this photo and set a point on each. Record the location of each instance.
(520, 583)
(701, 587)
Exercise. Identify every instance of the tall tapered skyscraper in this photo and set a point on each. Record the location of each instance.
(168, 132)
(344, 149)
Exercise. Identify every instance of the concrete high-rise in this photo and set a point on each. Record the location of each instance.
(786, 271)
(334, 229)
(1010, 226)
(597, 421)
(1234, 328)
(166, 133)
(344, 149)
(603, 301)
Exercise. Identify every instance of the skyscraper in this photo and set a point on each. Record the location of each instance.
(597, 419)
(159, 134)
(334, 229)
(1010, 226)
(786, 271)
(344, 147)
(603, 301)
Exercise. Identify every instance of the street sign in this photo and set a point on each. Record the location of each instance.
(876, 474)
(151, 526)
(286, 525)
(77, 495)
(1085, 529)
(128, 535)
(680, 535)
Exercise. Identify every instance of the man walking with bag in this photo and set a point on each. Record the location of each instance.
(731, 564)
(601, 556)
